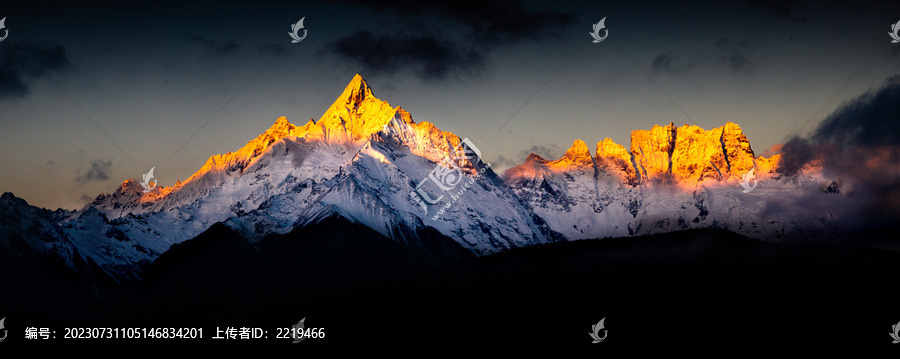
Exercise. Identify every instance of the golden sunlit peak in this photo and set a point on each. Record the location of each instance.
(608, 147)
(282, 121)
(281, 128)
(356, 91)
(280, 124)
(534, 157)
(578, 156)
(578, 149)
(730, 124)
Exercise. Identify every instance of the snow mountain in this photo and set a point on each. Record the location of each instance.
(371, 164)
(673, 178)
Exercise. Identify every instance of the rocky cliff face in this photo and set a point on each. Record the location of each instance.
(690, 154)
(653, 151)
(684, 155)
(673, 178)
(613, 159)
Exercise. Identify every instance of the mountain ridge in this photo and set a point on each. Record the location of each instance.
(685, 155)
(371, 164)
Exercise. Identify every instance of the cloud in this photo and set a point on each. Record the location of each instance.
(782, 9)
(48, 167)
(22, 62)
(99, 171)
(271, 48)
(214, 48)
(549, 151)
(795, 153)
(867, 120)
(725, 54)
(435, 53)
(671, 64)
(503, 163)
(505, 22)
(773, 150)
(858, 145)
(735, 57)
(490, 21)
(429, 57)
(86, 198)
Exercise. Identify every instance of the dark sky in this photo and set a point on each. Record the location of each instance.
(95, 93)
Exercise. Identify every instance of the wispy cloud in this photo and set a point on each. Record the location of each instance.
(547, 151)
(858, 143)
(214, 48)
(782, 9)
(737, 57)
(86, 198)
(429, 57)
(433, 53)
(98, 170)
(670, 63)
(21, 63)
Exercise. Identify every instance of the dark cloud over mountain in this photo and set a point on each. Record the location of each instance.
(22, 63)
(548, 151)
(435, 54)
(860, 144)
(737, 57)
(429, 57)
(99, 170)
(782, 9)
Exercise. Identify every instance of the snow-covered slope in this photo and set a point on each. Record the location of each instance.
(362, 160)
(372, 164)
(672, 179)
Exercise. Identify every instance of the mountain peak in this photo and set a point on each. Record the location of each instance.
(356, 91)
(534, 157)
(579, 149)
(282, 127)
(578, 155)
(614, 158)
(354, 115)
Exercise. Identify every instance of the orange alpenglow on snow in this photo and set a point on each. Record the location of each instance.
(577, 157)
(614, 159)
(685, 155)
(690, 154)
(353, 117)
